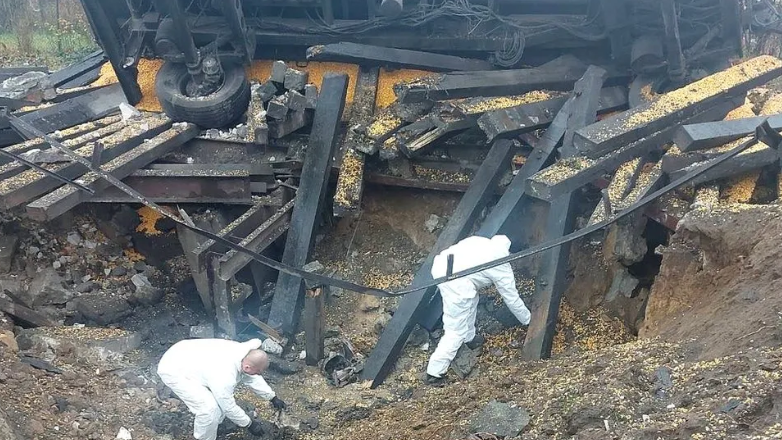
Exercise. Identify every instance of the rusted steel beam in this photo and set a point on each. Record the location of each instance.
(258, 240)
(65, 198)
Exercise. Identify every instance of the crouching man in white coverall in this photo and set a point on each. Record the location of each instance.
(203, 374)
(460, 297)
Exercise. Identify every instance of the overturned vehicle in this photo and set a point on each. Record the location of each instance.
(207, 43)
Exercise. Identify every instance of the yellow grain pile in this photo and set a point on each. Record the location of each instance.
(261, 70)
(149, 218)
(389, 78)
(590, 330)
(773, 105)
(350, 174)
(705, 88)
(147, 70)
(471, 106)
(739, 189)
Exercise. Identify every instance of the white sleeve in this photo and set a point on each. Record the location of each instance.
(258, 384)
(224, 395)
(503, 278)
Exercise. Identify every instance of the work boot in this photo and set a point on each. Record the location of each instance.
(477, 342)
(434, 381)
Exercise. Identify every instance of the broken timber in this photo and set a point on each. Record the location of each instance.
(442, 127)
(190, 241)
(385, 56)
(586, 101)
(551, 281)
(705, 135)
(560, 74)
(25, 314)
(309, 197)
(567, 175)
(510, 122)
(221, 295)
(413, 305)
(63, 136)
(31, 183)
(673, 107)
(350, 182)
(66, 197)
(755, 157)
(257, 241)
(314, 324)
(92, 62)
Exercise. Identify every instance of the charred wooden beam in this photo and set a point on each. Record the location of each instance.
(235, 231)
(89, 63)
(705, 135)
(315, 324)
(443, 127)
(84, 133)
(258, 240)
(411, 307)
(648, 179)
(65, 198)
(190, 241)
(674, 107)
(586, 102)
(31, 183)
(309, 197)
(217, 187)
(350, 182)
(511, 122)
(554, 76)
(569, 174)
(551, 280)
(221, 295)
(25, 314)
(409, 182)
(753, 158)
(385, 56)
(84, 108)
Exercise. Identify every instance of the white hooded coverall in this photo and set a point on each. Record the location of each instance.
(460, 296)
(203, 374)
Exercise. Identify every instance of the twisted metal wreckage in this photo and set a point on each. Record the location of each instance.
(580, 54)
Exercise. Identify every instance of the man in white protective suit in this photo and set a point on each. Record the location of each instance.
(203, 373)
(460, 297)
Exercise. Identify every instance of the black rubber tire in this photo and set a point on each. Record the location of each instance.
(219, 109)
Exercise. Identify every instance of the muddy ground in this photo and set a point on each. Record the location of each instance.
(712, 314)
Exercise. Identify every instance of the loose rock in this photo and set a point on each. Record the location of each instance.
(501, 419)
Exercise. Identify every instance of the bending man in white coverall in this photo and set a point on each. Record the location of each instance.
(460, 297)
(203, 374)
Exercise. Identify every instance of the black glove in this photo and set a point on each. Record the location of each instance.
(255, 428)
(277, 403)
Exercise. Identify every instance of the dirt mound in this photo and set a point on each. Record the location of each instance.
(720, 281)
(642, 390)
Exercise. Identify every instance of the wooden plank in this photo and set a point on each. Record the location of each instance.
(261, 238)
(511, 122)
(753, 158)
(25, 314)
(586, 102)
(90, 62)
(386, 56)
(82, 131)
(567, 175)
(84, 108)
(692, 137)
(221, 295)
(674, 107)
(309, 197)
(84, 79)
(444, 126)
(31, 183)
(350, 181)
(493, 83)
(550, 281)
(392, 340)
(235, 231)
(67, 197)
(314, 325)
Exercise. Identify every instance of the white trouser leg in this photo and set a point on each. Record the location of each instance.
(458, 328)
(199, 401)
